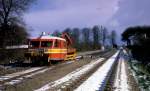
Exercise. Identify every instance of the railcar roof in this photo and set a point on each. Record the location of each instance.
(49, 37)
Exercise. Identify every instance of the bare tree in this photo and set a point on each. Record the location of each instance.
(96, 37)
(113, 37)
(68, 31)
(76, 37)
(11, 10)
(12, 27)
(10, 17)
(86, 38)
(104, 36)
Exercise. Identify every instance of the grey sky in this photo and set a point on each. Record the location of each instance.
(132, 13)
(50, 15)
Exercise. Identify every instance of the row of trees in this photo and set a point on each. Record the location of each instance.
(90, 38)
(13, 30)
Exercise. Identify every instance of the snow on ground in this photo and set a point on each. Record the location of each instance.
(9, 76)
(121, 80)
(97, 80)
(18, 80)
(71, 76)
(38, 72)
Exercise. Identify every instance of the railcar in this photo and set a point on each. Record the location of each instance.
(47, 49)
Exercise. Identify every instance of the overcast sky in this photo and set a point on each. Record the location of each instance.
(50, 15)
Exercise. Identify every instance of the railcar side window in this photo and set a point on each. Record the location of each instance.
(56, 43)
(65, 44)
(35, 43)
(46, 43)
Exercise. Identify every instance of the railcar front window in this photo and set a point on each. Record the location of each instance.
(35, 43)
(46, 44)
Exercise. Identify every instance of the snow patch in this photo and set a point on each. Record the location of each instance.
(9, 76)
(97, 80)
(121, 81)
(71, 76)
(16, 81)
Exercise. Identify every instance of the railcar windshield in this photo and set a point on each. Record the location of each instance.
(46, 43)
(34, 43)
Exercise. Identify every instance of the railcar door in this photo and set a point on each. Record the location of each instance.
(57, 49)
(63, 50)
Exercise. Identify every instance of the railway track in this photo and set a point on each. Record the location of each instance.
(16, 78)
(101, 73)
(121, 77)
(99, 77)
(77, 77)
(20, 77)
(115, 77)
